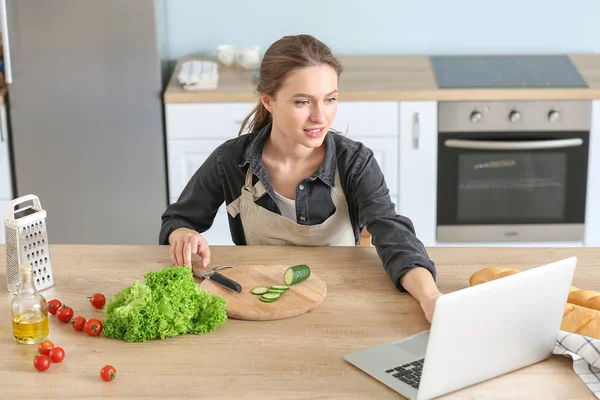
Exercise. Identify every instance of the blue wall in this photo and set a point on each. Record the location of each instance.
(196, 27)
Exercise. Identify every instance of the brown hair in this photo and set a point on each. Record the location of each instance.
(282, 57)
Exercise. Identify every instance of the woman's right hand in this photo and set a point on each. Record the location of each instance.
(185, 242)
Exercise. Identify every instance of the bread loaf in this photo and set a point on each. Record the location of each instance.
(580, 297)
(582, 311)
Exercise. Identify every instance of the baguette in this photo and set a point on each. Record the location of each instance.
(582, 311)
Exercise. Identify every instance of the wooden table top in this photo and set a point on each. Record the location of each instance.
(300, 357)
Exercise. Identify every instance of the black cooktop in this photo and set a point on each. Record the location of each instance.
(543, 71)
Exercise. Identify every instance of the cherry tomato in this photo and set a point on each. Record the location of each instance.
(78, 323)
(93, 327)
(108, 373)
(41, 362)
(57, 354)
(54, 305)
(97, 300)
(45, 347)
(64, 313)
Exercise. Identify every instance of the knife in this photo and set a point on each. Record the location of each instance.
(222, 280)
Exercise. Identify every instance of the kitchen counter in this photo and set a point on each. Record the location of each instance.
(391, 78)
(300, 357)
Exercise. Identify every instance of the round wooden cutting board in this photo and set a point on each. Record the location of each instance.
(298, 299)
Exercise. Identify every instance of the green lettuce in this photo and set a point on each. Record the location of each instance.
(168, 304)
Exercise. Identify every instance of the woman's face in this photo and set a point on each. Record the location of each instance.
(305, 105)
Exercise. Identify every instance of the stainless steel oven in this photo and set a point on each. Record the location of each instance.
(512, 170)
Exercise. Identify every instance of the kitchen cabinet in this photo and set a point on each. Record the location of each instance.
(193, 132)
(592, 209)
(417, 166)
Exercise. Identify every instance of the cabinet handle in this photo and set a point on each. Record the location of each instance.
(415, 131)
(5, 44)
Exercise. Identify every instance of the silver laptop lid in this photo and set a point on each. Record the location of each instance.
(490, 329)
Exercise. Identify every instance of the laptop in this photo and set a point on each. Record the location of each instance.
(477, 333)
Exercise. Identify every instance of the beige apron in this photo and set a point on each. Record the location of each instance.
(265, 228)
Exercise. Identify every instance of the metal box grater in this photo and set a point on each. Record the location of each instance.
(27, 242)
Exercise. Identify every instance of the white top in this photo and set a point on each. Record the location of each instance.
(287, 206)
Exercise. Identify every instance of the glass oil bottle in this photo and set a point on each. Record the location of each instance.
(29, 310)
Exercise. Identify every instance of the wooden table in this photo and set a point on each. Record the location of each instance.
(301, 357)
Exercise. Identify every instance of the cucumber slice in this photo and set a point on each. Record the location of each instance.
(267, 300)
(275, 291)
(280, 287)
(260, 290)
(271, 296)
(296, 274)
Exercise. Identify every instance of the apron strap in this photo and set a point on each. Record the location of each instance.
(337, 192)
(255, 191)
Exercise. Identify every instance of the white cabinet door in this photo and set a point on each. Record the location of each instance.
(592, 211)
(367, 118)
(5, 175)
(184, 159)
(385, 150)
(418, 166)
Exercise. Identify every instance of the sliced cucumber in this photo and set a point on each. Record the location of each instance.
(280, 287)
(296, 274)
(271, 296)
(267, 300)
(260, 290)
(275, 291)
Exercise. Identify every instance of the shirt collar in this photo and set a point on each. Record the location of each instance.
(325, 173)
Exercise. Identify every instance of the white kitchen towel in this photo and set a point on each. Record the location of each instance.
(585, 352)
(199, 75)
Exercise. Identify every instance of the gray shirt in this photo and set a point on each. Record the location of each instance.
(221, 178)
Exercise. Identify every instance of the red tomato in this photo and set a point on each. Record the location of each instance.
(57, 354)
(64, 313)
(41, 363)
(93, 327)
(108, 373)
(45, 347)
(97, 300)
(78, 323)
(53, 305)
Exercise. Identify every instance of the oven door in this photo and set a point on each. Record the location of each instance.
(501, 186)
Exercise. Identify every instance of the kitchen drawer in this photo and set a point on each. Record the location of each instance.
(206, 120)
(218, 234)
(385, 150)
(356, 118)
(184, 157)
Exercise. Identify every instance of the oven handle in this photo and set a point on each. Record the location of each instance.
(504, 145)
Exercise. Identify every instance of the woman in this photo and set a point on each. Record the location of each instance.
(293, 181)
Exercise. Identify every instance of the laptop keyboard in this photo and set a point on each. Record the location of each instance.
(409, 373)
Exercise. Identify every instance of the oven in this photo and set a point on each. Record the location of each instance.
(512, 171)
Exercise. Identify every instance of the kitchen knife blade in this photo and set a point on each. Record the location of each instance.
(224, 281)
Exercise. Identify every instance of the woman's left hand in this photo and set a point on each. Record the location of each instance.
(428, 304)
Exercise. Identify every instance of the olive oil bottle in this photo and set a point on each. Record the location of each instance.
(29, 310)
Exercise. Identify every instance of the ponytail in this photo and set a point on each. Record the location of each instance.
(258, 118)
